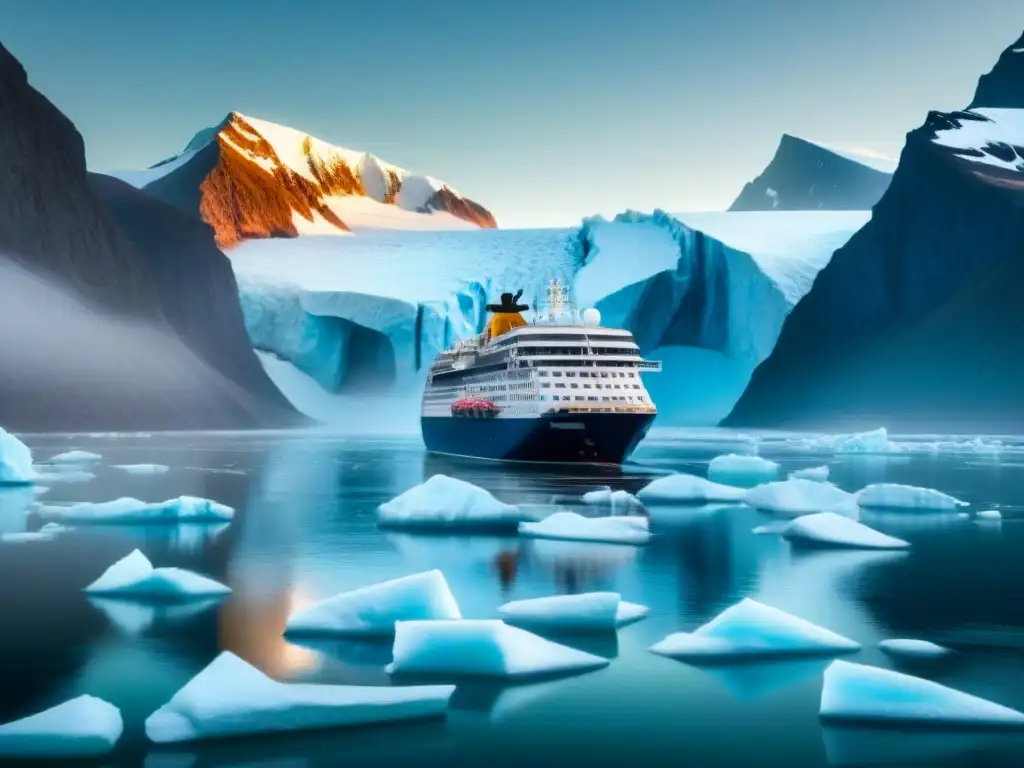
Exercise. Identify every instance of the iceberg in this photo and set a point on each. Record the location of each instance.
(681, 488)
(827, 529)
(800, 497)
(741, 467)
(588, 611)
(232, 698)
(143, 469)
(82, 727)
(913, 649)
(990, 515)
(623, 529)
(606, 496)
(15, 461)
(749, 630)
(817, 474)
(74, 458)
(184, 509)
(47, 532)
(482, 648)
(373, 610)
(444, 502)
(858, 693)
(133, 576)
(895, 496)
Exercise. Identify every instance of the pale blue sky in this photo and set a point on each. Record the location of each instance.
(543, 110)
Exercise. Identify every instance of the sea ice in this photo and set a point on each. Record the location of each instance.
(74, 458)
(875, 441)
(621, 529)
(143, 469)
(742, 467)
(913, 649)
(801, 497)
(133, 576)
(990, 515)
(15, 461)
(482, 647)
(817, 474)
(184, 509)
(860, 693)
(894, 496)
(827, 529)
(82, 727)
(232, 698)
(681, 488)
(588, 611)
(750, 629)
(447, 502)
(776, 527)
(608, 497)
(373, 610)
(47, 532)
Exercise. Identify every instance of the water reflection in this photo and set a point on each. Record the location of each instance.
(849, 747)
(14, 502)
(753, 681)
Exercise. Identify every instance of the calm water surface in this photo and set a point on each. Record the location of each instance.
(306, 529)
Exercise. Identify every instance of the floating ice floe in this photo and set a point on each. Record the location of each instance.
(990, 515)
(681, 488)
(230, 697)
(184, 509)
(133, 576)
(447, 502)
(859, 693)
(742, 467)
(801, 497)
(913, 649)
(608, 497)
(622, 529)
(827, 529)
(817, 474)
(82, 727)
(15, 461)
(143, 469)
(373, 610)
(484, 648)
(750, 629)
(47, 532)
(73, 458)
(594, 611)
(895, 496)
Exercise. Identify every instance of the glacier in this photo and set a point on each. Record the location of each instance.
(706, 293)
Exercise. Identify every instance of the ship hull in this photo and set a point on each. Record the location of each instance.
(591, 438)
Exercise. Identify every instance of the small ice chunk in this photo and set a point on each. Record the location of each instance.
(133, 576)
(47, 532)
(608, 497)
(447, 502)
(913, 649)
(990, 514)
(859, 693)
(622, 529)
(373, 610)
(143, 469)
(230, 697)
(482, 647)
(875, 441)
(82, 727)
(682, 488)
(800, 497)
(74, 457)
(589, 611)
(750, 629)
(827, 529)
(817, 474)
(776, 527)
(184, 509)
(741, 466)
(895, 496)
(15, 461)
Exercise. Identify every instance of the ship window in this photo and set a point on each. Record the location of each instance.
(556, 373)
(579, 397)
(560, 385)
(574, 385)
(593, 398)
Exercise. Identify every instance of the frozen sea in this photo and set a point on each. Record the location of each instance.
(305, 529)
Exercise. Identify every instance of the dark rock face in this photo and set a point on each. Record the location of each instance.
(804, 176)
(1004, 85)
(101, 327)
(917, 322)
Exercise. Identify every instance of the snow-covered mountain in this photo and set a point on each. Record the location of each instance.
(808, 176)
(917, 322)
(102, 327)
(250, 179)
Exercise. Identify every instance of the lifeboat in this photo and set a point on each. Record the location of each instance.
(475, 408)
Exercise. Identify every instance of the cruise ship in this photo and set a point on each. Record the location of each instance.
(558, 389)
